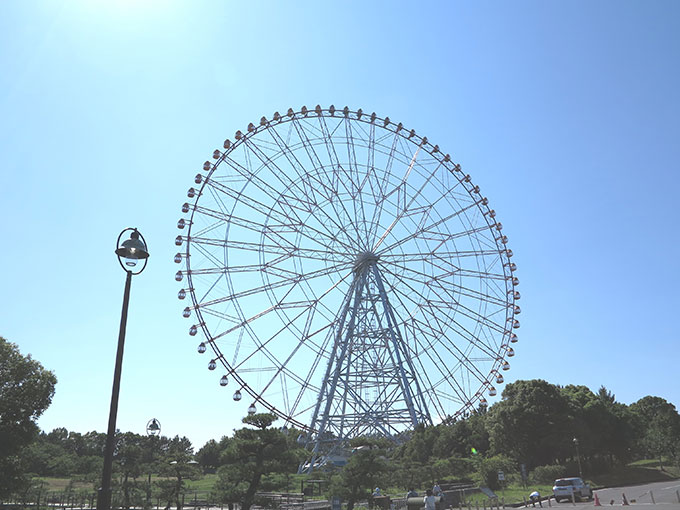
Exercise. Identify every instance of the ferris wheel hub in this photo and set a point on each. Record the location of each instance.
(364, 260)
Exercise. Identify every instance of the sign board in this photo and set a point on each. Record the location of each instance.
(501, 476)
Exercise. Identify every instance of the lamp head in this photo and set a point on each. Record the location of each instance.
(153, 428)
(132, 250)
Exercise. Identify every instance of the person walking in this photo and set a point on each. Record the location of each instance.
(429, 500)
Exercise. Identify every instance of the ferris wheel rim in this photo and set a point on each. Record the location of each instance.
(423, 144)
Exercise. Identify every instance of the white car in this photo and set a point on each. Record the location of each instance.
(565, 487)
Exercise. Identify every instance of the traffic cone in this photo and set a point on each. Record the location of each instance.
(597, 500)
(625, 501)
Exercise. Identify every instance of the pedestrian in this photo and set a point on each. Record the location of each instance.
(535, 496)
(436, 490)
(429, 500)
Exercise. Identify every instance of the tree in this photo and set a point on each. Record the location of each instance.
(26, 390)
(531, 424)
(658, 427)
(129, 458)
(177, 466)
(209, 456)
(421, 445)
(249, 456)
(487, 470)
(64, 453)
(365, 469)
(612, 425)
(460, 437)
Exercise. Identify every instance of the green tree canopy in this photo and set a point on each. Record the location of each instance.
(26, 390)
(250, 455)
(365, 469)
(208, 456)
(531, 424)
(658, 425)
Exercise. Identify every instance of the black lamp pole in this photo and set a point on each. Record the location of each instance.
(131, 250)
(578, 459)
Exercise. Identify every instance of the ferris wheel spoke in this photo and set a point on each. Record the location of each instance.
(397, 189)
(444, 256)
(279, 175)
(426, 371)
(322, 349)
(308, 189)
(352, 155)
(402, 207)
(286, 278)
(218, 195)
(304, 384)
(442, 282)
(255, 205)
(454, 303)
(270, 249)
(271, 192)
(482, 320)
(208, 255)
(337, 168)
(231, 219)
(211, 225)
(356, 179)
(284, 365)
(376, 184)
(424, 304)
(273, 231)
(281, 305)
(434, 350)
(473, 340)
(432, 229)
(333, 189)
(223, 316)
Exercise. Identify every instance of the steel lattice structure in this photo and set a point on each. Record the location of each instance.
(347, 276)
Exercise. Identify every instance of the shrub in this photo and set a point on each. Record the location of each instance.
(547, 474)
(487, 470)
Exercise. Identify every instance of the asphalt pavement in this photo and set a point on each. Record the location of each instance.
(665, 495)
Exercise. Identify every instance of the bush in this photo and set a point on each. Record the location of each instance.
(547, 474)
(487, 470)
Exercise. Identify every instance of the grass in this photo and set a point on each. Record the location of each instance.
(62, 484)
(511, 494)
(639, 472)
(205, 484)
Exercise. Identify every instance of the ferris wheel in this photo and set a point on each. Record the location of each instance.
(347, 276)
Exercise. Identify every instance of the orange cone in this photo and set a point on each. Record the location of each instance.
(597, 500)
(625, 501)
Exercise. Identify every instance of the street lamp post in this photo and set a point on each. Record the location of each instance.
(153, 429)
(129, 253)
(578, 458)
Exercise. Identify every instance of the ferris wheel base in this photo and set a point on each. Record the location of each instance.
(322, 463)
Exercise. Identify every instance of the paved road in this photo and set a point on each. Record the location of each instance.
(662, 494)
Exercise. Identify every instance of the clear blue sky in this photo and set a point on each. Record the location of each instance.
(564, 113)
